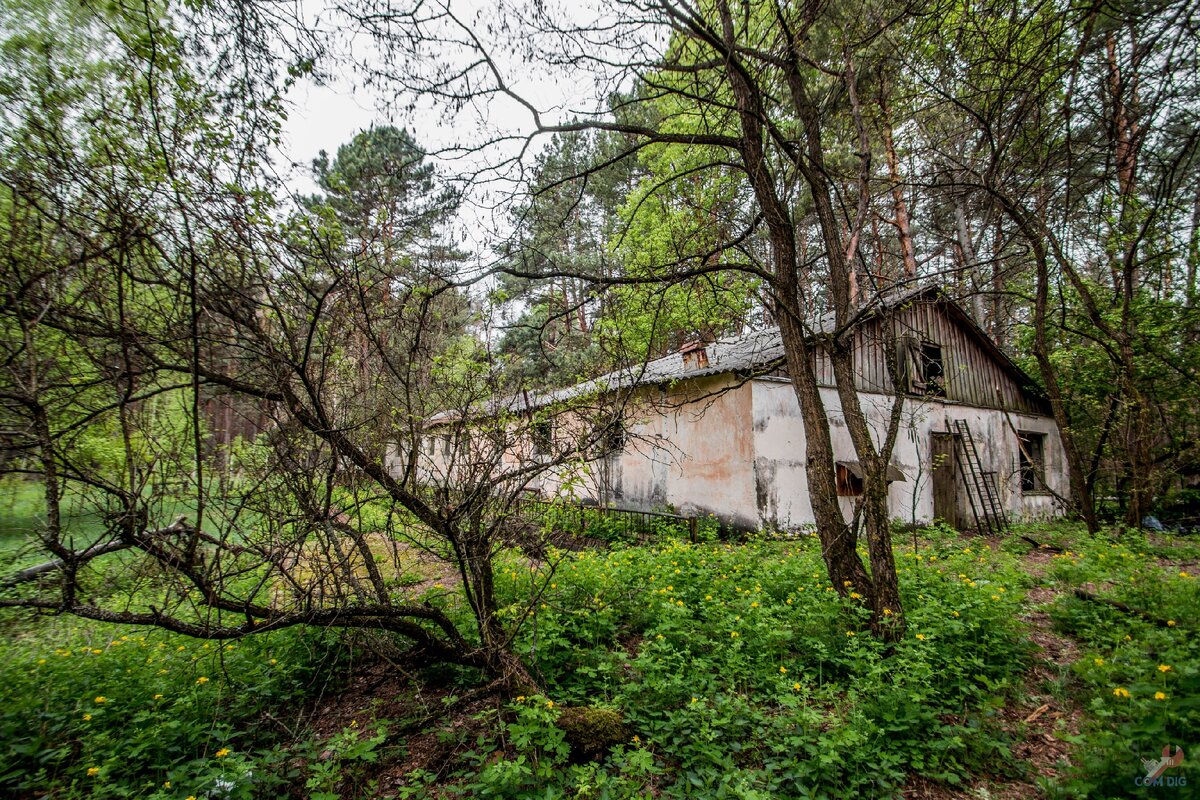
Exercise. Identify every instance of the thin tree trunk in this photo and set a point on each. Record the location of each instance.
(899, 206)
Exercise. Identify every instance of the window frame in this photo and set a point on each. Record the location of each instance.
(1031, 462)
(542, 434)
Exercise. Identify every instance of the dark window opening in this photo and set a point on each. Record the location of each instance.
(850, 477)
(1032, 454)
(848, 484)
(922, 367)
(933, 369)
(543, 437)
(614, 438)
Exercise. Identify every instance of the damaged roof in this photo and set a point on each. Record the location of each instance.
(757, 352)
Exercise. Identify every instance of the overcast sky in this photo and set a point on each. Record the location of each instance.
(323, 117)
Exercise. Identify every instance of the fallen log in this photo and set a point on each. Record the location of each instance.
(1084, 594)
(1041, 546)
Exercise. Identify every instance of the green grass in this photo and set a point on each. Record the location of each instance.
(1138, 681)
(740, 672)
(732, 671)
(96, 710)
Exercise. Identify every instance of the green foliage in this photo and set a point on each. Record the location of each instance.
(743, 673)
(94, 710)
(1139, 681)
(341, 760)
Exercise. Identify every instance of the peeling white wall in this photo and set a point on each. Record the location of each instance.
(741, 455)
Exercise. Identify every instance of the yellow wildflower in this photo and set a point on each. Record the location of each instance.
(201, 680)
(520, 698)
(1121, 691)
(796, 686)
(849, 633)
(1159, 696)
(1170, 623)
(224, 751)
(887, 612)
(783, 670)
(87, 717)
(549, 704)
(1099, 662)
(1164, 667)
(93, 772)
(101, 700)
(733, 634)
(921, 636)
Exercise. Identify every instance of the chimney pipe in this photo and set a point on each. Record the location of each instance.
(694, 355)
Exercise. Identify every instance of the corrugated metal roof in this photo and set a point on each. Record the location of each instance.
(752, 351)
(757, 351)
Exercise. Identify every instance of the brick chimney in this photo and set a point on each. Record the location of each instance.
(694, 355)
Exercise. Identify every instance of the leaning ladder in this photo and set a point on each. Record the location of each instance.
(982, 492)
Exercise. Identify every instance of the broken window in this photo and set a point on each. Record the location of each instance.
(922, 367)
(848, 483)
(850, 477)
(614, 438)
(543, 437)
(1032, 454)
(933, 370)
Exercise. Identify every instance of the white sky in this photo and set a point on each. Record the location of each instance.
(325, 117)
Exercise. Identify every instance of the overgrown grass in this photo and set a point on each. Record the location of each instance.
(729, 671)
(1137, 678)
(96, 710)
(740, 672)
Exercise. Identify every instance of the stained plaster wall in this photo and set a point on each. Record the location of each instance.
(736, 450)
(689, 448)
(779, 459)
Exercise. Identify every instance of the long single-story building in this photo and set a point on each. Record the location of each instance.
(717, 428)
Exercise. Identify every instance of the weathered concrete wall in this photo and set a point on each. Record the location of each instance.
(713, 470)
(690, 449)
(779, 462)
(736, 450)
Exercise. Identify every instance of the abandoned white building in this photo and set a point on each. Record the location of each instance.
(722, 433)
(716, 428)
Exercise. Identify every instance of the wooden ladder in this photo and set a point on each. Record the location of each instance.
(982, 492)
